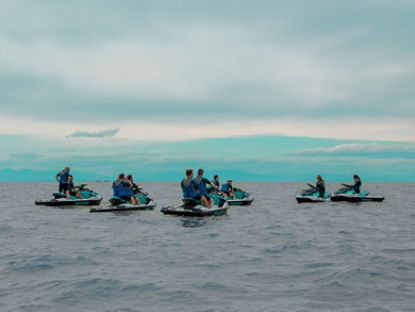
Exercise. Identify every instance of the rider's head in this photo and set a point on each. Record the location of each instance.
(189, 173)
(200, 172)
(356, 177)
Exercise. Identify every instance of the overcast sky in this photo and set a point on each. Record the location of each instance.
(180, 70)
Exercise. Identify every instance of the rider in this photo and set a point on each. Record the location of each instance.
(227, 189)
(136, 188)
(201, 182)
(320, 186)
(122, 188)
(216, 181)
(62, 178)
(357, 184)
(189, 189)
(72, 190)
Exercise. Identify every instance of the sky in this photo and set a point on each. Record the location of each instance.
(255, 90)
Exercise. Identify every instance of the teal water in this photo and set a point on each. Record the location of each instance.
(275, 255)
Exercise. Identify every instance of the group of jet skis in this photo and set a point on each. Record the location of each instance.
(201, 197)
(348, 192)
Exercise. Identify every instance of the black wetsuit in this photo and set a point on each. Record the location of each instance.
(321, 188)
(356, 186)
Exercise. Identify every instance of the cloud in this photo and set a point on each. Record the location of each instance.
(98, 134)
(371, 150)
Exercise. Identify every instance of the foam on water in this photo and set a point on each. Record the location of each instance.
(275, 255)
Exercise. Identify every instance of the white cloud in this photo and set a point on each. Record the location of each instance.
(359, 149)
(94, 134)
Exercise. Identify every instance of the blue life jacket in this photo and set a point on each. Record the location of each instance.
(202, 186)
(63, 176)
(124, 189)
(70, 186)
(226, 187)
(188, 188)
(114, 189)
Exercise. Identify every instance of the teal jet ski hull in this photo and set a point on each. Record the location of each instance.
(119, 204)
(193, 208)
(89, 198)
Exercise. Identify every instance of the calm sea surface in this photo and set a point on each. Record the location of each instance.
(275, 255)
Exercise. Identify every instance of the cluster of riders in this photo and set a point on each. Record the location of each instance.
(321, 185)
(124, 187)
(197, 187)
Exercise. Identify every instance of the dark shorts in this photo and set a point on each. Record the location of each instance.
(226, 192)
(127, 198)
(63, 187)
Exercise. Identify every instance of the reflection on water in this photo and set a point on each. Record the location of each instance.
(189, 222)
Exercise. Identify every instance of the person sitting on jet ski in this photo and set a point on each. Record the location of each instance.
(227, 189)
(189, 189)
(62, 178)
(72, 190)
(357, 184)
(320, 186)
(136, 188)
(201, 183)
(122, 189)
(216, 181)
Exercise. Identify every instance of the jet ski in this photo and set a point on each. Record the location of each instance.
(194, 208)
(59, 199)
(311, 195)
(241, 197)
(348, 194)
(119, 204)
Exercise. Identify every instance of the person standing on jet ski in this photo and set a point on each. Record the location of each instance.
(227, 189)
(122, 188)
(62, 178)
(189, 189)
(320, 186)
(72, 190)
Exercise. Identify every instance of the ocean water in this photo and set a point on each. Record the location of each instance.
(275, 255)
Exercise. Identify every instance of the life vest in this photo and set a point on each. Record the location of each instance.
(63, 177)
(114, 189)
(70, 186)
(123, 189)
(226, 187)
(200, 183)
(188, 188)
